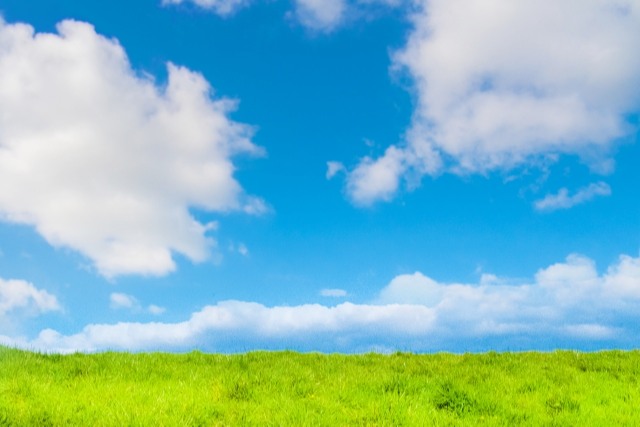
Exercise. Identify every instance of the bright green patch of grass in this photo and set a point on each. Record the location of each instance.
(287, 388)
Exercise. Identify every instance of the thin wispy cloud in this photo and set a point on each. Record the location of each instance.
(328, 15)
(564, 200)
(119, 300)
(220, 7)
(333, 293)
(243, 250)
(239, 248)
(122, 301)
(156, 310)
(333, 169)
(322, 16)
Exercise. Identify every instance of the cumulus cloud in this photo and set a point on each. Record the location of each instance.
(103, 160)
(564, 297)
(562, 200)
(221, 7)
(623, 279)
(376, 179)
(500, 83)
(24, 296)
(566, 304)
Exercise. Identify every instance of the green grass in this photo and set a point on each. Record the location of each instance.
(287, 388)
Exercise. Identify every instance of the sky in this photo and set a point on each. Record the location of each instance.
(335, 176)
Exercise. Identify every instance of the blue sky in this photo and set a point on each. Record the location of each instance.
(346, 175)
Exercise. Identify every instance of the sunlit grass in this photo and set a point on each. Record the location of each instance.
(287, 388)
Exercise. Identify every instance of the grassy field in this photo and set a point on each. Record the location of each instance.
(286, 388)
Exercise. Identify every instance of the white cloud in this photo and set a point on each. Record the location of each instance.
(567, 293)
(221, 7)
(156, 310)
(326, 15)
(376, 179)
(119, 300)
(333, 293)
(333, 168)
(570, 280)
(562, 200)
(242, 249)
(320, 14)
(500, 83)
(255, 206)
(21, 295)
(104, 161)
(623, 279)
(565, 304)
(412, 289)
(123, 301)
(236, 323)
(591, 331)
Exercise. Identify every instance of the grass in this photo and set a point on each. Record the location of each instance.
(287, 388)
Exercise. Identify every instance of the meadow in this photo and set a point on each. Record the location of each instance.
(288, 388)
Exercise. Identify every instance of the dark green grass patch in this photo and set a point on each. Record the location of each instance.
(287, 388)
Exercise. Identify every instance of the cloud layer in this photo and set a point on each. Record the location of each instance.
(103, 160)
(566, 303)
(499, 83)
